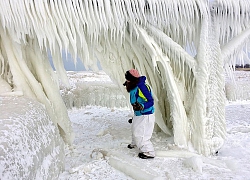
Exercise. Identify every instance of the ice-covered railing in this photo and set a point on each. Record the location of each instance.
(154, 37)
(239, 87)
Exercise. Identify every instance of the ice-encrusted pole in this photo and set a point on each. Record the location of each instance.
(207, 114)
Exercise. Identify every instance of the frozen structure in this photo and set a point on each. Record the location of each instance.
(236, 88)
(182, 46)
(88, 88)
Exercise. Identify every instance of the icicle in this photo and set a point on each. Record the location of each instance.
(2, 65)
(101, 12)
(56, 22)
(62, 33)
(94, 31)
(56, 57)
(90, 25)
(72, 32)
(95, 12)
(109, 14)
(81, 14)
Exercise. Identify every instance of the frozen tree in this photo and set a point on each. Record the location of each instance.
(182, 46)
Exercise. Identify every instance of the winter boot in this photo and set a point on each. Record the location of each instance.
(130, 146)
(145, 155)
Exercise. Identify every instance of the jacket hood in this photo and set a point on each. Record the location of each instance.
(142, 80)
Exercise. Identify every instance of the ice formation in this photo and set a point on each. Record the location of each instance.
(96, 89)
(30, 144)
(151, 36)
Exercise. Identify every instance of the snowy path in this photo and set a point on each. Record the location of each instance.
(102, 135)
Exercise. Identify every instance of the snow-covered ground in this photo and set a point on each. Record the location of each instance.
(103, 133)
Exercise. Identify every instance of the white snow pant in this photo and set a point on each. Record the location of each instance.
(142, 129)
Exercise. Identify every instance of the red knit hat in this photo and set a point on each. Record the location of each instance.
(134, 73)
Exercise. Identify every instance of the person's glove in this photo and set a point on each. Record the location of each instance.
(137, 106)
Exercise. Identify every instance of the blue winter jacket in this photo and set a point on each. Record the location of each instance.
(143, 95)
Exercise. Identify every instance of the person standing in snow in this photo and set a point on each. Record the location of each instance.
(143, 121)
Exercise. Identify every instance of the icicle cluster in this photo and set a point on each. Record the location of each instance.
(181, 47)
(233, 24)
